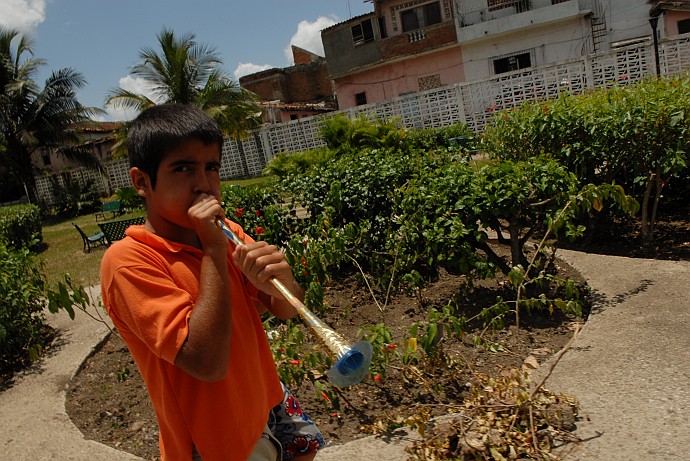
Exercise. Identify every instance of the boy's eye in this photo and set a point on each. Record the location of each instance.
(214, 167)
(182, 168)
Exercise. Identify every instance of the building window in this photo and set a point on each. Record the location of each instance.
(360, 99)
(684, 26)
(430, 82)
(520, 5)
(46, 159)
(422, 16)
(515, 61)
(363, 32)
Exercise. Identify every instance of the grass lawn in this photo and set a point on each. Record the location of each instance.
(64, 250)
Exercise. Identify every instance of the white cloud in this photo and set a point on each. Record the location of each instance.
(247, 68)
(134, 85)
(308, 36)
(137, 85)
(22, 15)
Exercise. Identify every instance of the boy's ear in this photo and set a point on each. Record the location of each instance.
(140, 181)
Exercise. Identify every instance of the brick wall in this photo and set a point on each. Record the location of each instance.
(434, 37)
(309, 82)
(269, 85)
(300, 83)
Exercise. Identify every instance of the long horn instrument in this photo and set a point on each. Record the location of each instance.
(351, 363)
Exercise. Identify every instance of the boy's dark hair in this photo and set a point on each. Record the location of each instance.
(159, 129)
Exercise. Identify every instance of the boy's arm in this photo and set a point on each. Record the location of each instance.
(206, 351)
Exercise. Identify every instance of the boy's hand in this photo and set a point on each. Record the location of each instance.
(203, 214)
(260, 262)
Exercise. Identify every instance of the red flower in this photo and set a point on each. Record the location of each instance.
(378, 378)
(257, 212)
(239, 212)
(304, 262)
(259, 230)
(392, 347)
(325, 397)
(294, 362)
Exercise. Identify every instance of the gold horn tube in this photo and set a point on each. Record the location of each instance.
(351, 362)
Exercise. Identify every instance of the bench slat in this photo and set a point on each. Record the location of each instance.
(115, 230)
(114, 207)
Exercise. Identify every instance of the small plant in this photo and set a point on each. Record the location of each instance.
(384, 350)
(122, 374)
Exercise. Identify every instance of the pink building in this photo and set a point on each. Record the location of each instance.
(401, 47)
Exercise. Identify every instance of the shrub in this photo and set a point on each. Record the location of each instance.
(434, 138)
(637, 136)
(343, 134)
(284, 164)
(22, 328)
(129, 198)
(73, 198)
(21, 225)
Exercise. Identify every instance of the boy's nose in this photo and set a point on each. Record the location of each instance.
(203, 185)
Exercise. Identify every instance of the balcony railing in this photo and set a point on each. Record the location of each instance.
(416, 36)
(477, 11)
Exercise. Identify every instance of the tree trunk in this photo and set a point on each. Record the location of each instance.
(493, 257)
(657, 197)
(515, 242)
(645, 231)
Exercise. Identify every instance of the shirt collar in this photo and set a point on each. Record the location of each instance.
(142, 235)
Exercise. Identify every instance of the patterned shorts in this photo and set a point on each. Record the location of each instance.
(298, 435)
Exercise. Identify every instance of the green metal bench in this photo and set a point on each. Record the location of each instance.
(115, 230)
(463, 144)
(94, 240)
(113, 207)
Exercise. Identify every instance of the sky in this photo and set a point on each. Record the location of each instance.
(101, 39)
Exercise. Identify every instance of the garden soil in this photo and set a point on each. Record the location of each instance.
(107, 400)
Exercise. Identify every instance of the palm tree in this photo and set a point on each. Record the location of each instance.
(33, 118)
(186, 72)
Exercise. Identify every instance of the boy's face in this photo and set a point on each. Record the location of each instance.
(183, 175)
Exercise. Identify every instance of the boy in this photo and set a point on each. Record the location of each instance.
(187, 302)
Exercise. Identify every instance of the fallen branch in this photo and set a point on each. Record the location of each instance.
(556, 359)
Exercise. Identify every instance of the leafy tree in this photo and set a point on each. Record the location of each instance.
(634, 135)
(186, 72)
(33, 118)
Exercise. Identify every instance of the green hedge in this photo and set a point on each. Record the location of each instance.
(22, 323)
(21, 225)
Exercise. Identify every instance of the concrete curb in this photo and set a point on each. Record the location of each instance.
(629, 368)
(33, 422)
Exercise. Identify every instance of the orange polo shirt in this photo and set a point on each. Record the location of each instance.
(149, 287)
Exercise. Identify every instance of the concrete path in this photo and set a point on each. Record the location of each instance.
(629, 368)
(34, 425)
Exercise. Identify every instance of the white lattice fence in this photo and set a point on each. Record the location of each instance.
(294, 136)
(473, 103)
(85, 177)
(675, 56)
(118, 172)
(622, 66)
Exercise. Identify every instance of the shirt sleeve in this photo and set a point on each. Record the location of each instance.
(148, 303)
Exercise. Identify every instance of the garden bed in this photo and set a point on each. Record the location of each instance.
(108, 401)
